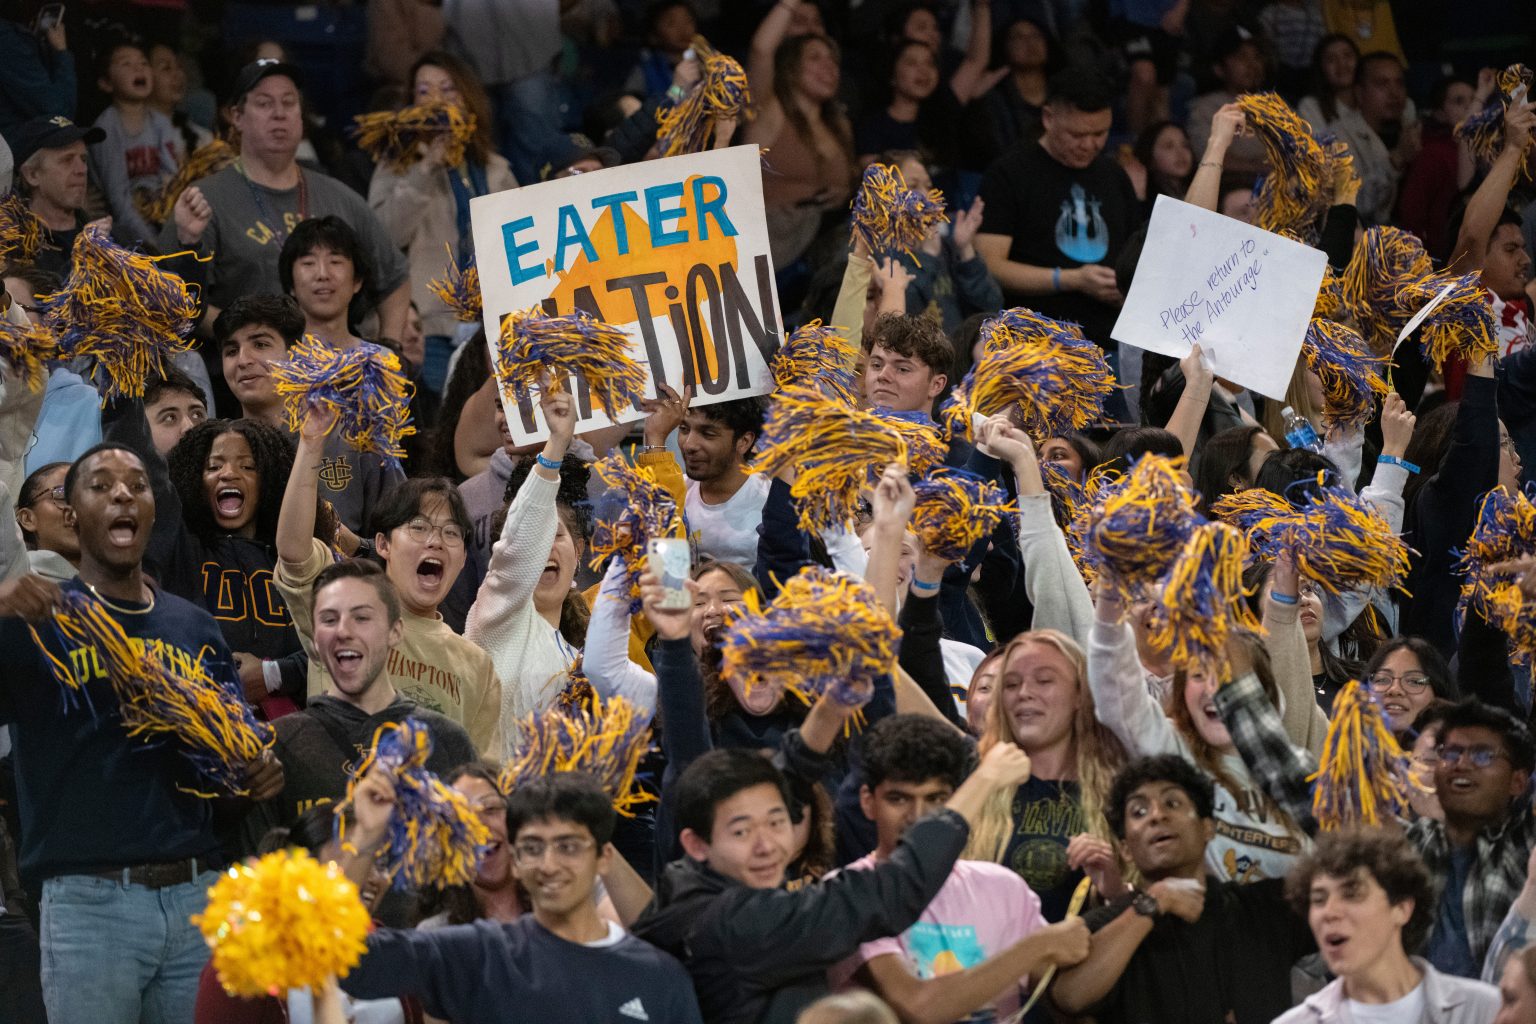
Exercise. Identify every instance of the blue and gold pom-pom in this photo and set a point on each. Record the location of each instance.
(365, 386)
(1043, 372)
(722, 93)
(632, 511)
(1202, 597)
(434, 838)
(396, 138)
(1339, 539)
(31, 350)
(459, 290)
(204, 161)
(162, 694)
(1385, 259)
(21, 233)
(121, 310)
(818, 356)
(1505, 530)
(283, 922)
(1363, 775)
(1462, 325)
(1146, 522)
(892, 218)
(577, 691)
(925, 445)
(534, 344)
(1483, 130)
(605, 739)
(955, 510)
(825, 632)
(1297, 192)
(1075, 503)
(834, 451)
(1350, 373)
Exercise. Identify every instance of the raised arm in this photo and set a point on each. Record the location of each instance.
(1205, 188)
(970, 80)
(519, 557)
(296, 516)
(1280, 767)
(1119, 685)
(765, 43)
(1488, 202)
(1055, 587)
(1305, 723)
(605, 657)
(893, 504)
(1189, 413)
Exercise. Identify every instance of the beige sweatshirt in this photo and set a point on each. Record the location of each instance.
(433, 665)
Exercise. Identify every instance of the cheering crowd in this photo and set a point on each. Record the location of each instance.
(1041, 808)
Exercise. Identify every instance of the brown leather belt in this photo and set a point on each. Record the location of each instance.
(157, 876)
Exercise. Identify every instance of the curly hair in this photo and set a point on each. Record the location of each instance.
(1387, 856)
(271, 449)
(915, 337)
(1160, 768)
(915, 748)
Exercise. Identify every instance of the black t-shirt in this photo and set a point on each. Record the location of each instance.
(1046, 815)
(1061, 217)
(1233, 966)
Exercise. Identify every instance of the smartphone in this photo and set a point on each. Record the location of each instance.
(669, 559)
(49, 16)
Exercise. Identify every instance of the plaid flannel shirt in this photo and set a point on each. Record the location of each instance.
(1496, 875)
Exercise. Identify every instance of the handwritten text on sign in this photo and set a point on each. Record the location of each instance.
(1245, 295)
(675, 252)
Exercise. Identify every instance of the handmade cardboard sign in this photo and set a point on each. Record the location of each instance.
(673, 251)
(1244, 294)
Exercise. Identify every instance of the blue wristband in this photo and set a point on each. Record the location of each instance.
(1056, 279)
(1393, 460)
(918, 584)
(547, 463)
(1280, 598)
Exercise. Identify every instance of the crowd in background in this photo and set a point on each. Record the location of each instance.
(919, 861)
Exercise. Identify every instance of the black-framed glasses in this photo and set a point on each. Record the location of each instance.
(1412, 682)
(1479, 757)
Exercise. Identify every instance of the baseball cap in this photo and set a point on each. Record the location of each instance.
(255, 71)
(50, 133)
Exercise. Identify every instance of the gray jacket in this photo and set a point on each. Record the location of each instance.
(1447, 1000)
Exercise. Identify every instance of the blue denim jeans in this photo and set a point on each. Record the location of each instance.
(116, 953)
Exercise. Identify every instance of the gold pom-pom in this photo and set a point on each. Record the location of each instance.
(820, 357)
(892, 218)
(203, 162)
(534, 344)
(459, 290)
(396, 138)
(722, 93)
(282, 922)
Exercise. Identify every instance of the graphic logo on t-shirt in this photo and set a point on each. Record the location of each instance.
(1081, 233)
(336, 473)
(939, 949)
(634, 1010)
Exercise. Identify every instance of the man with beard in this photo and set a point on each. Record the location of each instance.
(356, 625)
(111, 827)
(724, 504)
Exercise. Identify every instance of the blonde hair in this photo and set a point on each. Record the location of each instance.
(1299, 397)
(855, 1007)
(1098, 755)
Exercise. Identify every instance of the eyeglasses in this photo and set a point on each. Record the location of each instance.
(1480, 757)
(54, 494)
(421, 531)
(1412, 682)
(531, 851)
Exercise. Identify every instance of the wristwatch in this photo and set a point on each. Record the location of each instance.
(1145, 904)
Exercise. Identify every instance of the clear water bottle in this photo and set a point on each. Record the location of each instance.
(1299, 432)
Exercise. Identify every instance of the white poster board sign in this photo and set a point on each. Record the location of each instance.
(675, 252)
(1244, 294)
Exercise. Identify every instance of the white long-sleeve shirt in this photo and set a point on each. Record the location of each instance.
(530, 655)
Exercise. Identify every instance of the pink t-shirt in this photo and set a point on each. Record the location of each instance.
(982, 909)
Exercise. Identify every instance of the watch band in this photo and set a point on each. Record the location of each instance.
(1145, 904)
